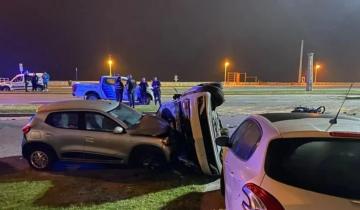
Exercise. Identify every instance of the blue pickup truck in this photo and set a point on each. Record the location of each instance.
(105, 89)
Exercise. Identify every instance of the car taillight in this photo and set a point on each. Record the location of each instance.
(26, 129)
(259, 199)
(345, 134)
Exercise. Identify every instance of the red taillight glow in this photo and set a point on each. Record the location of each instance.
(26, 129)
(345, 134)
(259, 199)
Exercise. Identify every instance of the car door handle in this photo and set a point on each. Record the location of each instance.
(89, 139)
(48, 134)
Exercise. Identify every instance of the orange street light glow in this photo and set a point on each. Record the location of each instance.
(110, 62)
(226, 65)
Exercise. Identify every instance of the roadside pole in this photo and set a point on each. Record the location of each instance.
(76, 74)
(310, 72)
(301, 61)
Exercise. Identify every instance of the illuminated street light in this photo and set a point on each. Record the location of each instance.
(317, 67)
(226, 65)
(110, 62)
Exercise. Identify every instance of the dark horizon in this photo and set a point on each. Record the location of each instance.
(187, 38)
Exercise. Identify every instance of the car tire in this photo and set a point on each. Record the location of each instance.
(217, 94)
(6, 89)
(41, 158)
(222, 183)
(92, 96)
(148, 99)
(149, 158)
(39, 88)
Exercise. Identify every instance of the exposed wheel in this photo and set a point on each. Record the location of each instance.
(6, 89)
(91, 96)
(217, 94)
(150, 158)
(39, 88)
(41, 158)
(147, 100)
(222, 183)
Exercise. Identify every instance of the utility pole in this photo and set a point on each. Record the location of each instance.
(76, 74)
(21, 68)
(301, 61)
(310, 72)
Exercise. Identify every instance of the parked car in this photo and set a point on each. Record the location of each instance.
(292, 161)
(18, 83)
(97, 131)
(194, 119)
(105, 89)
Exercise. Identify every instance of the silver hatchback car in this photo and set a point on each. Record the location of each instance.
(94, 131)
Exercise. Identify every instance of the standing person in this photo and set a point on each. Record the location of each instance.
(34, 82)
(156, 89)
(143, 89)
(46, 78)
(130, 87)
(26, 79)
(119, 89)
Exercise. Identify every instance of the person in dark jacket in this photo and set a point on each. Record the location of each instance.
(156, 89)
(119, 89)
(34, 82)
(130, 87)
(143, 89)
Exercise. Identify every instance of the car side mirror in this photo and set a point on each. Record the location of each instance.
(118, 130)
(223, 141)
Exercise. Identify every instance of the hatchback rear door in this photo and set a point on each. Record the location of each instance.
(314, 173)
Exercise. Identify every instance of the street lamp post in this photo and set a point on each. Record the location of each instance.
(226, 65)
(110, 62)
(76, 73)
(317, 67)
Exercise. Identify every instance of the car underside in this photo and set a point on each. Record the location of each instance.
(195, 125)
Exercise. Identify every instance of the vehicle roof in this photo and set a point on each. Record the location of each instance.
(100, 105)
(299, 124)
(114, 77)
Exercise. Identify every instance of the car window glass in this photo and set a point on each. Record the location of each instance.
(98, 122)
(110, 81)
(18, 79)
(67, 120)
(127, 115)
(324, 165)
(245, 139)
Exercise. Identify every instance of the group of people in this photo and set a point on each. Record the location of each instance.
(34, 79)
(130, 87)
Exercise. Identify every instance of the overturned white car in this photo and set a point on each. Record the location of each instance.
(196, 125)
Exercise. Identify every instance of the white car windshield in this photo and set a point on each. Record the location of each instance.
(127, 115)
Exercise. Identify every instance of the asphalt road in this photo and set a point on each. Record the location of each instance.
(33, 98)
(11, 134)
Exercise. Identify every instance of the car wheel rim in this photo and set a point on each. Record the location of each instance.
(92, 98)
(39, 159)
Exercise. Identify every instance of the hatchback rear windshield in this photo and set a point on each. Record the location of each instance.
(324, 165)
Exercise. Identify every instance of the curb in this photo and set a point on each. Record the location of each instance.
(16, 114)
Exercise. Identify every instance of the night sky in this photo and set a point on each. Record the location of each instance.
(190, 38)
